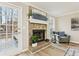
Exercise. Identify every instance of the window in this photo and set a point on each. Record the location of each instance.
(8, 28)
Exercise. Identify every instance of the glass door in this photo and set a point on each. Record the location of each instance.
(2, 29)
(8, 28)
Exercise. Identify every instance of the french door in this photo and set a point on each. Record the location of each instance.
(8, 28)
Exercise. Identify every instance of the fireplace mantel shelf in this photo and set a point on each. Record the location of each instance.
(37, 21)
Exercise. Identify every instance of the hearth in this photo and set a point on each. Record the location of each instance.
(40, 34)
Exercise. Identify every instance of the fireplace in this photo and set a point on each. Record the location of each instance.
(40, 34)
(37, 29)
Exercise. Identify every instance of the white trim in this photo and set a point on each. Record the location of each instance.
(19, 52)
(20, 28)
(29, 4)
(9, 5)
(75, 42)
(38, 21)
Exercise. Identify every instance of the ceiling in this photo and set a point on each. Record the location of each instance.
(58, 8)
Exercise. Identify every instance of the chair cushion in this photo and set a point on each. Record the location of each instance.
(61, 33)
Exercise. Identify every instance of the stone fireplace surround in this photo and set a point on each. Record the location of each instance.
(40, 28)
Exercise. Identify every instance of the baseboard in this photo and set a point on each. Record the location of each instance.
(20, 52)
(75, 42)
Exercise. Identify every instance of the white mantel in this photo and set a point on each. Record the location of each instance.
(37, 21)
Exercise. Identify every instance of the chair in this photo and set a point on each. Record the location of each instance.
(63, 38)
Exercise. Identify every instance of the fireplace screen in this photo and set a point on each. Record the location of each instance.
(40, 34)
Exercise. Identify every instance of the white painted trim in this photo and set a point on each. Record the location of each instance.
(75, 42)
(38, 21)
(29, 4)
(9, 5)
(17, 52)
(20, 28)
(20, 52)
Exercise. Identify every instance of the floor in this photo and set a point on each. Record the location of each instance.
(40, 45)
(51, 50)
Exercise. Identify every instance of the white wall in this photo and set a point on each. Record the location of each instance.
(63, 23)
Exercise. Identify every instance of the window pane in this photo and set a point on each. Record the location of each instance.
(9, 11)
(15, 24)
(9, 41)
(0, 19)
(0, 10)
(4, 11)
(9, 28)
(15, 29)
(15, 13)
(15, 40)
(2, 29)
(2, 41)
(2, 36)
(15, 20)
(9, 19)
(3, 20)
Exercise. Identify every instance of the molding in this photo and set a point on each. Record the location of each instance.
(67, 13)
(38, 21)
(75, 42)
(20, 52)
(29, 4)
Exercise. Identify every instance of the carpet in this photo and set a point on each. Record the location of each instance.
(72, 52)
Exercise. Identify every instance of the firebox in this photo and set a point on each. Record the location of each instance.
(40, 34)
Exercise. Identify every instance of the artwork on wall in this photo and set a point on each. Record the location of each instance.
(75, 24)
(37, 14)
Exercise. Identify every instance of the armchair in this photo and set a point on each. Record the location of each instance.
(63, 38)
